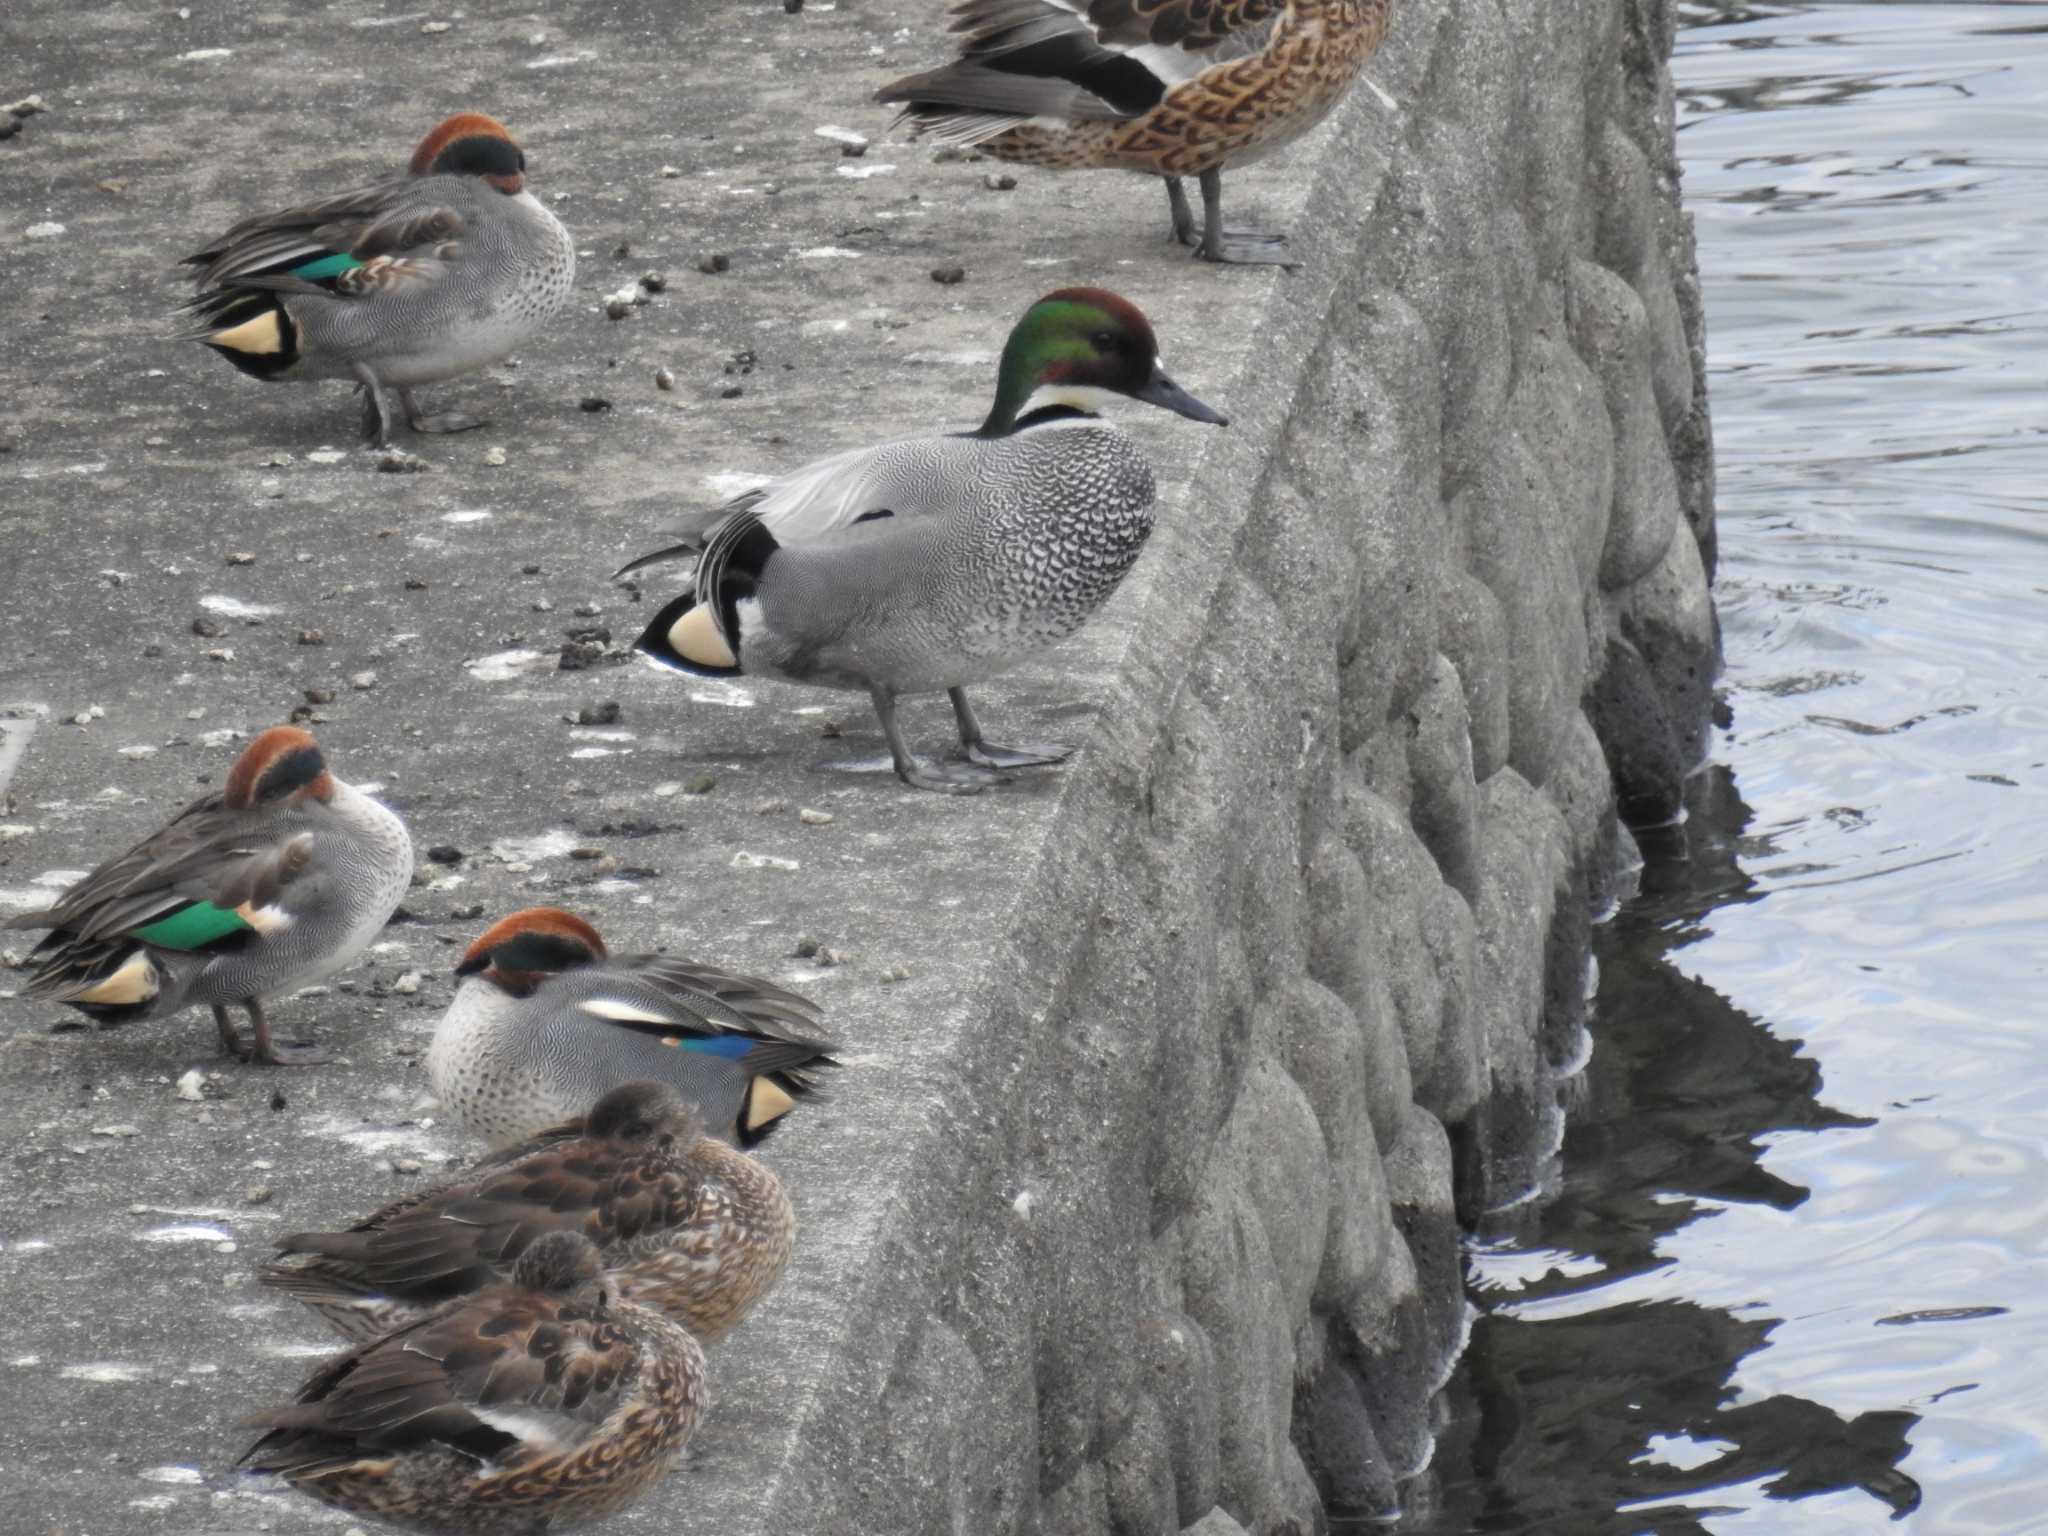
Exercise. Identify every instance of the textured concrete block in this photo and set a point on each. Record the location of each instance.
(1521, 549)
(1142, 1498)
(1612, 333)
(1451, 1085)
(1341, 958)
(1669, 617)
(1441, 790)
(1177, 1369)
(1233, 1290)
(1475, 640)
(1634, 727)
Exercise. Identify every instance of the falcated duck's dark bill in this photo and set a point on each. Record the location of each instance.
(1162, 391)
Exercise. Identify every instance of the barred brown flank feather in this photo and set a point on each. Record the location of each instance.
(1031, 60)
(407, 1426)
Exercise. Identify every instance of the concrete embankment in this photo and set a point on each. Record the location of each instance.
(1168, 1073)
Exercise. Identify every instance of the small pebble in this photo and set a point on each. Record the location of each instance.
(770, 807)
(586, 855)
(593, 404)
(405, 1165)
(617, 309)
(671, 172)
(241, 557)
(946, 277)
(791, 7)
(362, 682)
(654, 282)
(191, 1087)
(896, 973)
(407, 984)
(732, 392)
(494, 456)
(207, 629)
(256, 1194)
(853, 151)
(702, 784)
(319, 695)
(606, 713)
(415, 584)
(116, 1130)
(811, 818)
(277, 1100)
(312, 637)
(807, 948)
(714, 261)
(999, 181)
(623, 251)
(664, 380)
(28, 106)
(396, 461)
(435, 28)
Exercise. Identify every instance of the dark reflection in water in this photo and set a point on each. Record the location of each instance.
(1553, 1414)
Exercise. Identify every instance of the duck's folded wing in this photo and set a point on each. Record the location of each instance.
(492, 1379)
(355, 245)
(720, 999)
(1188, 24)
(201, 881)
(462, 1236)
(835, 492)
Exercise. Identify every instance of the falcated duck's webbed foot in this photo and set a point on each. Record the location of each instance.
(978, 749)
(1023, 754)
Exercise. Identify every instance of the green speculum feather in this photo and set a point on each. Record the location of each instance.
(192, 927)
(325, 267)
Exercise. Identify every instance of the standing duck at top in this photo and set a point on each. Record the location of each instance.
(272, 883)
(1171, 88)
(405, 282)
(927, 563)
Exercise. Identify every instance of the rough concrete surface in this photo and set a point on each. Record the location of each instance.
(1167, 1073)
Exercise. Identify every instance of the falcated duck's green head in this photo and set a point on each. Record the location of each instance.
(1074, 349)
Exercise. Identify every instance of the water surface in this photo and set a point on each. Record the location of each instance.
(1794, 1276)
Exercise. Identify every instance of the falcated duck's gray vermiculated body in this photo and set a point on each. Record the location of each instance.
(926, 564)
(1040, 530)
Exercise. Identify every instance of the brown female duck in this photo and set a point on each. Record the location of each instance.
(534, 1405)
(685, 1223)
(1172, 88)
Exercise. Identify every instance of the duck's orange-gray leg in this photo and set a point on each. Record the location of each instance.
(446, 421)
(274, 1053)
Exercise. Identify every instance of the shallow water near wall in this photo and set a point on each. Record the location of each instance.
(1790, 1274)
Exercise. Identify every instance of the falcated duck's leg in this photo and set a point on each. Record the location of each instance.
(989, 754)
(944, 779)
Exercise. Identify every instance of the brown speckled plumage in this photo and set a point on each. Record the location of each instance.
(1170, 87)
(685, 1224)
(534, 1405)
